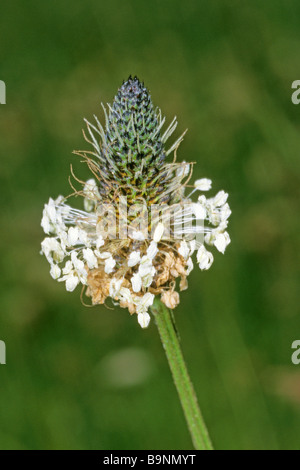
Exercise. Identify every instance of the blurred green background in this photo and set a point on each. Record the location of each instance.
(91, 378)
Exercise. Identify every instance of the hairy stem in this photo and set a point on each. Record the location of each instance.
(165, 323)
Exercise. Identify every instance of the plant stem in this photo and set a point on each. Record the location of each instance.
(166, 326)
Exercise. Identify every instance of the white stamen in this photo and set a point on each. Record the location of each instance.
(158, 232)
(152, 250)
(204, 258)
(55, 271)
(109, 265)
(73, 234)
(90, 258)
(136, 282)
(134, 258)
(204, 184)
(144, 319)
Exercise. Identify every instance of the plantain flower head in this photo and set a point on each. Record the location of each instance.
(142, 222)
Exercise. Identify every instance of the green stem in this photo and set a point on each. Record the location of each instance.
(168, 334)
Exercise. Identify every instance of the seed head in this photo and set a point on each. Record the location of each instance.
(138, 231)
